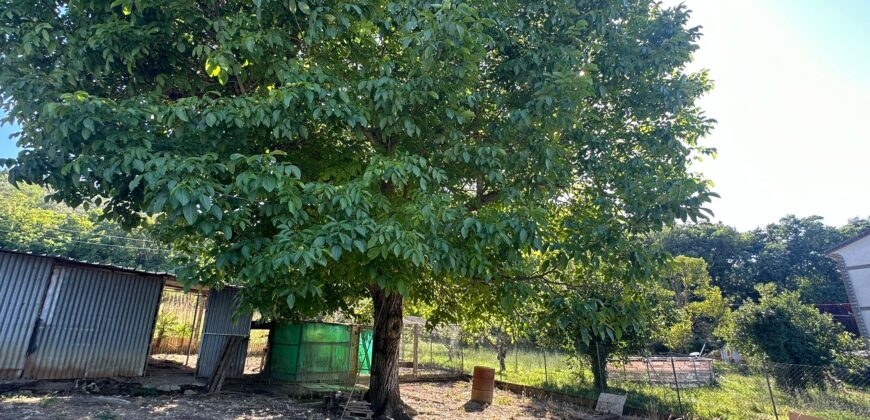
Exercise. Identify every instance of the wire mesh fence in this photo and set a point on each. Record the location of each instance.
(658, 385)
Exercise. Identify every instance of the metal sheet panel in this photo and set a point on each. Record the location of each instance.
(94, 323)
(23, 283)
(219, 325)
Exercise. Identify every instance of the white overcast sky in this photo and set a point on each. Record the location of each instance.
(792, 98)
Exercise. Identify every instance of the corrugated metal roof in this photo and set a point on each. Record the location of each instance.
(94, 323)
(90, 264)
(23, 283)
(219, 325)
(170, 279)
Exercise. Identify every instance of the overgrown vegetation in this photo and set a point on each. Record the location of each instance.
(790, 254)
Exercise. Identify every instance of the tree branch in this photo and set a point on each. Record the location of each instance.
(482, 200)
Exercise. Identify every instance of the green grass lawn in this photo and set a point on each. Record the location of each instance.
(738, 394)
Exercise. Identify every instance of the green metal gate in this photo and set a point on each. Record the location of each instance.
(319, 352)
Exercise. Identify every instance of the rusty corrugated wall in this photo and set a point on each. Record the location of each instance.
(94, 323)
(219, 325)
(23, 283)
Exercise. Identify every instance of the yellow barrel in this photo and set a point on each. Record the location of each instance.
(482, 384)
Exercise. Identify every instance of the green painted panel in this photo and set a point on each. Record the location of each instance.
(316, 352)
(365, 351)
(287, 334)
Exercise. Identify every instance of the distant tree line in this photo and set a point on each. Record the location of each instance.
(31, 223)
(789, 254)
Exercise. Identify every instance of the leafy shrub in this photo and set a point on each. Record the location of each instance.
(784, 331)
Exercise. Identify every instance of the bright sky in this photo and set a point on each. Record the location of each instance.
(792, 98)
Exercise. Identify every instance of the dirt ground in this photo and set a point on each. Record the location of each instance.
(431, 401)
(253, 364)
(449, 400)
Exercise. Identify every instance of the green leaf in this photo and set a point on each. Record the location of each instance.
(190, 214)
(135, 182)
(335, 252)
(212, 69)
(181, 195)
(269, 184)
(217, 212)
(291, 301)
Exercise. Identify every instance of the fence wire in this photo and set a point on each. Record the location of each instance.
(664, 385)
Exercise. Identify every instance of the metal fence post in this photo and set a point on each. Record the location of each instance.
(546, 375)
(677, 385)
(769, 389)
(461, 356)
(416, 346)
(648, 376)
(601, 370)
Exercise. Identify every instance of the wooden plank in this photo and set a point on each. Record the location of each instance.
(232, 347)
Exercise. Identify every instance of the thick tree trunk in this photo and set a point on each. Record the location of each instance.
(383, 391)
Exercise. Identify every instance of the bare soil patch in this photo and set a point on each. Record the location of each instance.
(445, 400)
(98, 407)
(451, 400)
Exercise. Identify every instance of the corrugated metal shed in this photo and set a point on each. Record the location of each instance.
(23, 283)
(82, 320)
(94, 323)
(219, 325)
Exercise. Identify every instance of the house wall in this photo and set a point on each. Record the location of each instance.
(854, 262)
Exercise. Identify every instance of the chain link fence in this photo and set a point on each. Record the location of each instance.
(665, 385)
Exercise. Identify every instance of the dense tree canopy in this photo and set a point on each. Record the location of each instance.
(600, 312)
(320, 151)
(790, 253)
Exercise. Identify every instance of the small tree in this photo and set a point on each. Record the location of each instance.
(782, 330)
(694, 309)
(598, 313)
